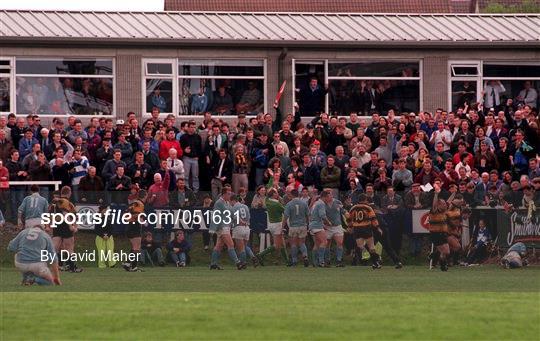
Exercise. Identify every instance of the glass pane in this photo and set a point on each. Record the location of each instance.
(221, 96)
(374, 69)
(465, 70)
(463, 92)
(159, 68)
(64, 96)
(4, 94)
(5, 70)
(309, 102)
(221, 68)
(368, 96)
(493, 70)
(4, 62)
(159, 95)
(519, 91)
(68, 67)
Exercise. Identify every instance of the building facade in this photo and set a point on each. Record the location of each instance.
(96, 63)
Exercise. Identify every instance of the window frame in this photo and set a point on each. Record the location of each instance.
(29, 75)
(176, 77)
(12, 90)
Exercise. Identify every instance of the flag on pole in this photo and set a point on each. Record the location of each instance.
(280, 92)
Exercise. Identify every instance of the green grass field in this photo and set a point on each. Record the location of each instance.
(276, 303)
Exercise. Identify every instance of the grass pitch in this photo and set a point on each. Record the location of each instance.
(276, 303)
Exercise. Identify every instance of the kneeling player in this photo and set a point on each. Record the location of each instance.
(296, 216)
(363, 220)
(223, 231)
(240, 233)
(134, 232)
(28, 246)
(63, 234)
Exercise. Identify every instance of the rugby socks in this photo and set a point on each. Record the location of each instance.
(284, 254)
(321, 252)
(266, 251)
(215, 257)
(339, 254)
(303, 250)
(327, 255)
(315, 256)
(41, 281)
(242, 256)
(134, 261)
(249, 252)
(233, 256)
(374, 257)
(294, 253)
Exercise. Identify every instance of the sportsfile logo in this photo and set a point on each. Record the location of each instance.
(186, 218)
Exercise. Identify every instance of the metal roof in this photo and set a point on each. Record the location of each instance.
(269, 29)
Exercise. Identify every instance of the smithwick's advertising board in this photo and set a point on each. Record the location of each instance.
(511, 227)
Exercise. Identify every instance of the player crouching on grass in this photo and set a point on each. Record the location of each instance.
(363, 220)
(438, 230)
(63, 235)
(296, 216)
(317, 222)
(223, 230)
(240, 233)
(274, 210)
(29, 246)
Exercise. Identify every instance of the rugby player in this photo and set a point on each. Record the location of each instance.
(454, 227)
(317, 222)
(334, 211)
(362, 221)
(63, 235)
(296, 217)
(31, 208)
(28, 246)
(134, 230)
(438, 230)
(274, 209)
(240, 233)
(222, 229)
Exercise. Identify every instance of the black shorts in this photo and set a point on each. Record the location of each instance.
(438, 238)
(364, 233)
(62, 231)
(134, 231)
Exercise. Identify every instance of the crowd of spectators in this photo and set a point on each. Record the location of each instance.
(490, 156)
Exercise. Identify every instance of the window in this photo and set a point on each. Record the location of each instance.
(304, 75)
(65, 86)
(5, 85)
(517, 82)
(158, 85)
(494, 83)
(464, 84)
(369, 86)
(224, 87)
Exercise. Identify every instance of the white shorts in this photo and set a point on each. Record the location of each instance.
(32, 222)
(39, 268)
(275, 229)
(241, 232)
(334, 231)
(315, 231)
(223, 231)
(298, 232)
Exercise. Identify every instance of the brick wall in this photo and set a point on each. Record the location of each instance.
(128, 85)
(435, 82)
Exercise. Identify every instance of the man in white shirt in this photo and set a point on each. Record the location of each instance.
(175, 164)
(441, 135)
(492, 94)
(528, 96)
